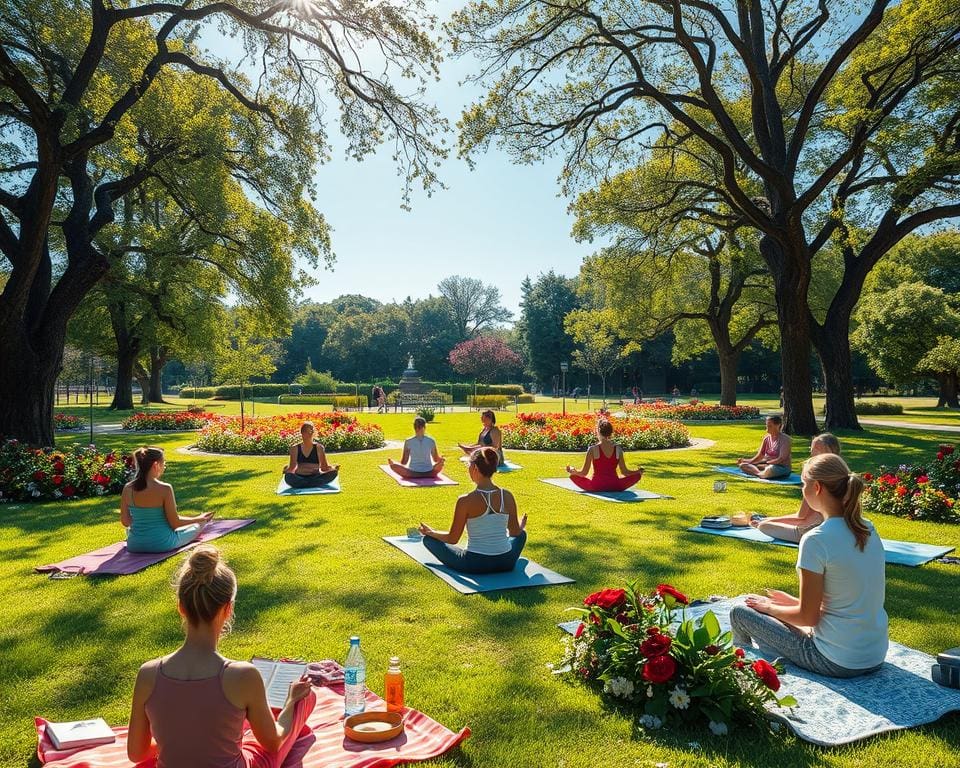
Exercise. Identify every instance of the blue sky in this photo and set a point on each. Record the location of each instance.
(498, 222)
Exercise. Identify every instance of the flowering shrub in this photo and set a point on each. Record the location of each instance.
(926, 492)
(273, 435)
(577, 432)
(31, 474)
(64, 421)
(175, 420)
(638, 654)
(695, 410)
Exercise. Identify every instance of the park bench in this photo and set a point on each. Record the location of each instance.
(417, 401)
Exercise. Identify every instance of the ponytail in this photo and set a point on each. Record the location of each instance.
(835, 476)
(145, 459)
(851, 510)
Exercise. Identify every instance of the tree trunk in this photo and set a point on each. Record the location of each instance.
(833, 348)
(143, 379)
(949, 391)
(158, 359)
(729, 361)
(27, 383)
(123, 393)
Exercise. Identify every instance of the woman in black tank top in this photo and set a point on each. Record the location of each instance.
(310, 469)
(489, 437)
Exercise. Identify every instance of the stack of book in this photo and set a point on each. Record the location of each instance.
(81, 733)
(715, 521)
(947, 669)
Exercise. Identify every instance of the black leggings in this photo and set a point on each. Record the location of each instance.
(309, 481)
(461, 560)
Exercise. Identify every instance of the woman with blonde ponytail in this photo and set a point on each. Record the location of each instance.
(148, 508)
(189, 707)
(837, 626)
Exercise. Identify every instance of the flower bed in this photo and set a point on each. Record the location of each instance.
(577, 432)
(637, 653)
(66, 421)
(923, 492)
(172, 420)
(273, 435)
(30, 474)
(692, 411)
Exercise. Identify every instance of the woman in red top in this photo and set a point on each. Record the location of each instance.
(606, 457)
(189, 707)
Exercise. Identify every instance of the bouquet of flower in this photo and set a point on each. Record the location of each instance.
(669, 669)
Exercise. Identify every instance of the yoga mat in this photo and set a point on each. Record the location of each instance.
(285, 490)
(418, 482)
(324, 746)
(115, 560)
(794, 478)
(629, 495)
(507, 466)
(526, 573)
(895, 552)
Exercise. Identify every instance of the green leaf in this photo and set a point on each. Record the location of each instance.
(787, 701)
(701, 638)
(712, 625)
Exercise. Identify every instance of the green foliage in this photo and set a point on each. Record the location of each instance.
(243, 358)
(866, 408)
(944, 358)
(345, 401)
(498, 402)
(473, 305)
(322, 382)
(425, 413)
(544, 304)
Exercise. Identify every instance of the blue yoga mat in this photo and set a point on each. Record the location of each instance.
(526, 573)
(896, 552)
(794, 478)
(629, 495)
(285, 490)
(507, 466)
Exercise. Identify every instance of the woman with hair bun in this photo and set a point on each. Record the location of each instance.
(606, 457)
(190, 707)
(148, 509)
(838, 626)
(495, 536)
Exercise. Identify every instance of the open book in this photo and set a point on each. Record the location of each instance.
(80, 733)
(277, 676)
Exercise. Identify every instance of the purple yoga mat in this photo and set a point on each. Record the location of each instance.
(116, 561)
(418, 482)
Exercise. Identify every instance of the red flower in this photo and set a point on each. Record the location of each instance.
(58, 467)
(666, 589)
(607, 599)
(922, 479)
(38, 475)
(579, 630)
(739, 664)
(659, 669)
(867, 477)
(712, 650)
(57, 479)
(653, 630)
(940, 455)
(948, 449)
(901, 491)
(767, 673)
(69, 490)
(739, 653)
(655, 645)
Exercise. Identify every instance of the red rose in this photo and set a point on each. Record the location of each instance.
(69, 490)
(922, 479)
(57, 479)
(659, 669)
(767, 673)
(622, 617)
(38, 475)
(579, 630)
(939, 455)
(739, 653)
(712, 650)
(867, 477)
(739, 664)
(653, 630)
(607, 599)
(666, 589)
(655, 645)
(948, 449)
(58, 467)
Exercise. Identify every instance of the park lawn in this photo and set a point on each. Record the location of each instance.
(313, 571)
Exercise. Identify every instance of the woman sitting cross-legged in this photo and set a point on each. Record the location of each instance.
(495, 537)
(773, 459)
(792, 527)
(490, 436)
(308, 466)
(605, 457)
(420, 455)
(148, 509)
(190, 708)
(837, 626)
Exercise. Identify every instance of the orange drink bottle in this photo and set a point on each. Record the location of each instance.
(393, 686)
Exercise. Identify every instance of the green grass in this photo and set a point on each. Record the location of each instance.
(313, 571)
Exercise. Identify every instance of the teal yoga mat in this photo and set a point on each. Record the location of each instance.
(629, 495)
(895, 552)
(285, 490)
(794, 478)
(526, 573)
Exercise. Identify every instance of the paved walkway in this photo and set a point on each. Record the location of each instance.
(911, 425)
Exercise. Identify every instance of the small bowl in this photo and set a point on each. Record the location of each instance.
(414, 533)
(372, 727)
(740, 520)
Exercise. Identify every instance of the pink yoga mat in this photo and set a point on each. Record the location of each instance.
(323, 747)
(418, 482)
(116, 561)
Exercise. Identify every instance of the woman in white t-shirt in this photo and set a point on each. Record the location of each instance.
(420, 456)
(837, 627)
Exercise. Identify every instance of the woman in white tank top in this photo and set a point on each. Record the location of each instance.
(495, 535)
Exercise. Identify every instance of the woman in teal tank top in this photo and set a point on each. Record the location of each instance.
(148, 509)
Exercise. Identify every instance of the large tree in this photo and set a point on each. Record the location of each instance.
(367, 345)
(475, 306)
(846, 121)
(73, 85)
(544, 304)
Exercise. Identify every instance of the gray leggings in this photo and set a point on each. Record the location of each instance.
(788, 642)
(461, 560)
(309, 481)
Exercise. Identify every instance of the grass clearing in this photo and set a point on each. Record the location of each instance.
(313, 571)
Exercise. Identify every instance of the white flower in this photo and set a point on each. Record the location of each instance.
(679, 698)
(35, 494)
(650, 721)
(649, 691)
(719, 729)
(619, 686)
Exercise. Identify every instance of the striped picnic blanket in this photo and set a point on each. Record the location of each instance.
(324, 747)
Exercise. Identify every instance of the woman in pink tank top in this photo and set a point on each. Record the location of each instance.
(190, 708)
(606, 457)
(773, 459)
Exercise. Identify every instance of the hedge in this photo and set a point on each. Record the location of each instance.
(873, 408)
(488, 401)
(461, 392)
(327, 399)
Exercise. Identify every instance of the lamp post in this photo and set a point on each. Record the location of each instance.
(564, 367)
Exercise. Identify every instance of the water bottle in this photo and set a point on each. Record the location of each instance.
(354, 680)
